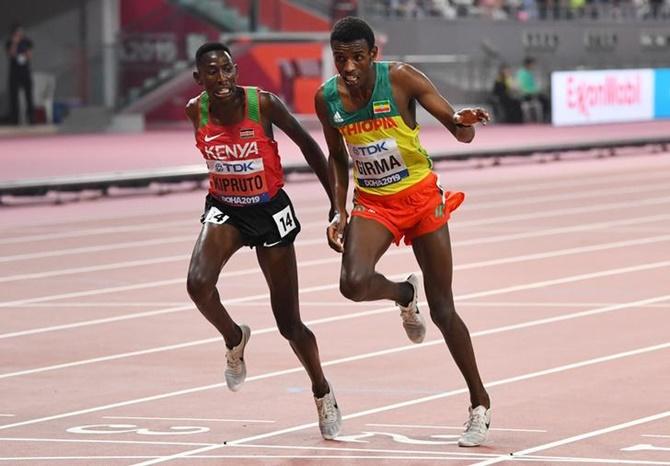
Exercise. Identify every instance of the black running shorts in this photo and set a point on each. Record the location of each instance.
(270, 224)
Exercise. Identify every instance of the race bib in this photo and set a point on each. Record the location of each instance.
(285, 221)
(215, 216)
(239, 182)
(378, 164)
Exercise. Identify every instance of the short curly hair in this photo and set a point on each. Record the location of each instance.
(352, 28)
(211, 47)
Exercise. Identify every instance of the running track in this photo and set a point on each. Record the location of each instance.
(562, 273)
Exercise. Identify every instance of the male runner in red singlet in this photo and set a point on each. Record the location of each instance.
(371, 106)
(247, 207)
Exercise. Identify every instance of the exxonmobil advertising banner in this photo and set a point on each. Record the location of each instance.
(603, 96)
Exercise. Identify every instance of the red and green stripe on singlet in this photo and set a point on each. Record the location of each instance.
(253, 106)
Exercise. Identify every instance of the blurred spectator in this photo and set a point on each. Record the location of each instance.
(507, 107)
(441, 8)
(492, 9)
(577, 8)
(522, 10)
(19, 51)
(404, 8)
(534, 103)
(655, 8)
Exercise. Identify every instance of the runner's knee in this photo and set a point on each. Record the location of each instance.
(199, 287)
(354, 284)
(442, 310)
(442, 316)
(292, 330)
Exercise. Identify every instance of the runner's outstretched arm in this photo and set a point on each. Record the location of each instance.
(419, 87)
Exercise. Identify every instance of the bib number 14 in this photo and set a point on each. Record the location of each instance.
(285, 221)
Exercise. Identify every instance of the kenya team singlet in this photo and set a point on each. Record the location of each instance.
(387, 154)
(242, 161)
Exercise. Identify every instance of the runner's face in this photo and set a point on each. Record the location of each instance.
(218, 74)
(353, 61)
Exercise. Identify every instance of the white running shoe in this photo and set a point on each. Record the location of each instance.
(412, 320)
(330, 417)
(236, 369)
(476, 428)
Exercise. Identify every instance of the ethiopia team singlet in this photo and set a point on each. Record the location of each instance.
(387, 154)
(242, 161)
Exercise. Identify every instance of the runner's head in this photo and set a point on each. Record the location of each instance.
(215, 70)
(354, 50)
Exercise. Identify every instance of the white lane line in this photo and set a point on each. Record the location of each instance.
(389, 407)
(569, 251)
(123, 442)
(105, 320)
(472, 193)
(121, 304)
(545, 304)
(569, 279)
(98, 231)
(361, 450)
(94, 304)
(566, 211)
(582, 227)
(529, 458)
(655, 435)
(460, 453)
(343, 458)
(125, 245)
(646, 447)
(7, 415)
(379, 311)
(572, 182)
(575, 438)
(93, 268)
(313, 241)
(72, 458)
(573, 459)
(402, 459)
(92, 249)
(460, 428)
(326, 363)
(189, 419)
(257, 446)
(535, 199)
(129, 244)
(549, 460)
(193, 220)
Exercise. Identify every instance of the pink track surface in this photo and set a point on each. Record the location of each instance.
(561, 274)
(65, 155)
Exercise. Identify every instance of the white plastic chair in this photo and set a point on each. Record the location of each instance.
(44, 89)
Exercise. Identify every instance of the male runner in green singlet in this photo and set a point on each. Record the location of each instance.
(370, 106)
